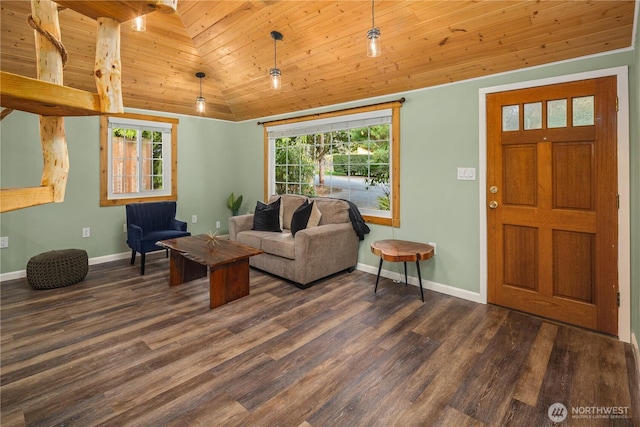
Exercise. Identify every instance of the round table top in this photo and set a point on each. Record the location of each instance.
(401, 250)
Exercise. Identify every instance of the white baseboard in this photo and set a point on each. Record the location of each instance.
(427, 284)
(12, 275)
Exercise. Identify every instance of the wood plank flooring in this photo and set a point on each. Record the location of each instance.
(121, 349)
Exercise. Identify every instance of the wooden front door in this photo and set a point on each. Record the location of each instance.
(552, 202)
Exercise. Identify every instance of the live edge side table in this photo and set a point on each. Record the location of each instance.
(401, 251)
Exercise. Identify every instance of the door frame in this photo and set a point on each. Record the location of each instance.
(624, 211)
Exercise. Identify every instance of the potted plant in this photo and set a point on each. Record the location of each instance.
(234, 204)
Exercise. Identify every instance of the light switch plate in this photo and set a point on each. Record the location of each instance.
(467, 174)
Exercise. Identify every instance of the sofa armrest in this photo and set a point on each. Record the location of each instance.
(239, 223)
(327, 243)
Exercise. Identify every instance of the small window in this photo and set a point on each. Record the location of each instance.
(138, 159)
(557, 113)
(583, 111)
(533, 116)
(510, 118)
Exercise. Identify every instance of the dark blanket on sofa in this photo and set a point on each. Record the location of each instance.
(357, 221)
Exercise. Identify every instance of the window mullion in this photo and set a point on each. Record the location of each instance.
(139, 158)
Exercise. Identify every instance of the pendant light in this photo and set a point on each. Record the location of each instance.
(373, 37)
(275, 72)
(139, 23)
(200, 103)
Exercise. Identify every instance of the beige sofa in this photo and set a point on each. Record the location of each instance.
(313, 253)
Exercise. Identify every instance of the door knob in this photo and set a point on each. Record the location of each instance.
(493, 189)
(493, 204)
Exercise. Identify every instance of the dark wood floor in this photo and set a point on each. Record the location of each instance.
(122, 349)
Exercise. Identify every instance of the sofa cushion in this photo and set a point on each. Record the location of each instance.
(267, 217)
(280, 244)
(301, 217)
(253, 238)
(290, 202)
(314, 218)
(334, 211)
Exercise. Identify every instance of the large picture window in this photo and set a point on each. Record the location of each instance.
(138, 159)
(352, 156)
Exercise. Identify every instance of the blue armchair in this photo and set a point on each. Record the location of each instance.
(149, 222)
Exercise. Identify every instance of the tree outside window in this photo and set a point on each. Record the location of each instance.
(351, 164)
(352, 154)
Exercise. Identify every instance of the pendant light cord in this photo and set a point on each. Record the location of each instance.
(275, 47)
(373, 16)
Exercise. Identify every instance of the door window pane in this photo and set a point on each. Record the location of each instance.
(510, 118)
(583, 111)
(557, 113)
(533, 115)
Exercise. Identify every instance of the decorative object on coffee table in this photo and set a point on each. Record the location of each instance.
(212, 240)
(58, 268)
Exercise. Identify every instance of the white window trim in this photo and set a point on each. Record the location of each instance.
(166, 129)
(329, 124)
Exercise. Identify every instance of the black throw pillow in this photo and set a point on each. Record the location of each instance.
(301, 217)
(267, 217)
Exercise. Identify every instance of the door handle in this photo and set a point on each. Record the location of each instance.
(493, 204)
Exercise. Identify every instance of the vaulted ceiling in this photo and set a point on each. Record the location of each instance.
(323, 52)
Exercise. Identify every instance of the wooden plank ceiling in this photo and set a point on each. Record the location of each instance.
(323, 53)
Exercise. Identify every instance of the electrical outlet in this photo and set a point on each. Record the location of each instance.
(194, 218)
(4, 242)
(124, 228)
(217, 224)
(434, 247)
(86, 232)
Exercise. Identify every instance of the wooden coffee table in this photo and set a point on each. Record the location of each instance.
(401, 251)
(228, 264)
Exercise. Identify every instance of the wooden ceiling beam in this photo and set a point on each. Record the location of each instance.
(120, 11)
(44, 98)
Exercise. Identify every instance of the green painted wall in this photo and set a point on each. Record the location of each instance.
(440, 132)
(206, 175)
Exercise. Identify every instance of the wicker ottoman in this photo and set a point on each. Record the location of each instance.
(55, 269)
